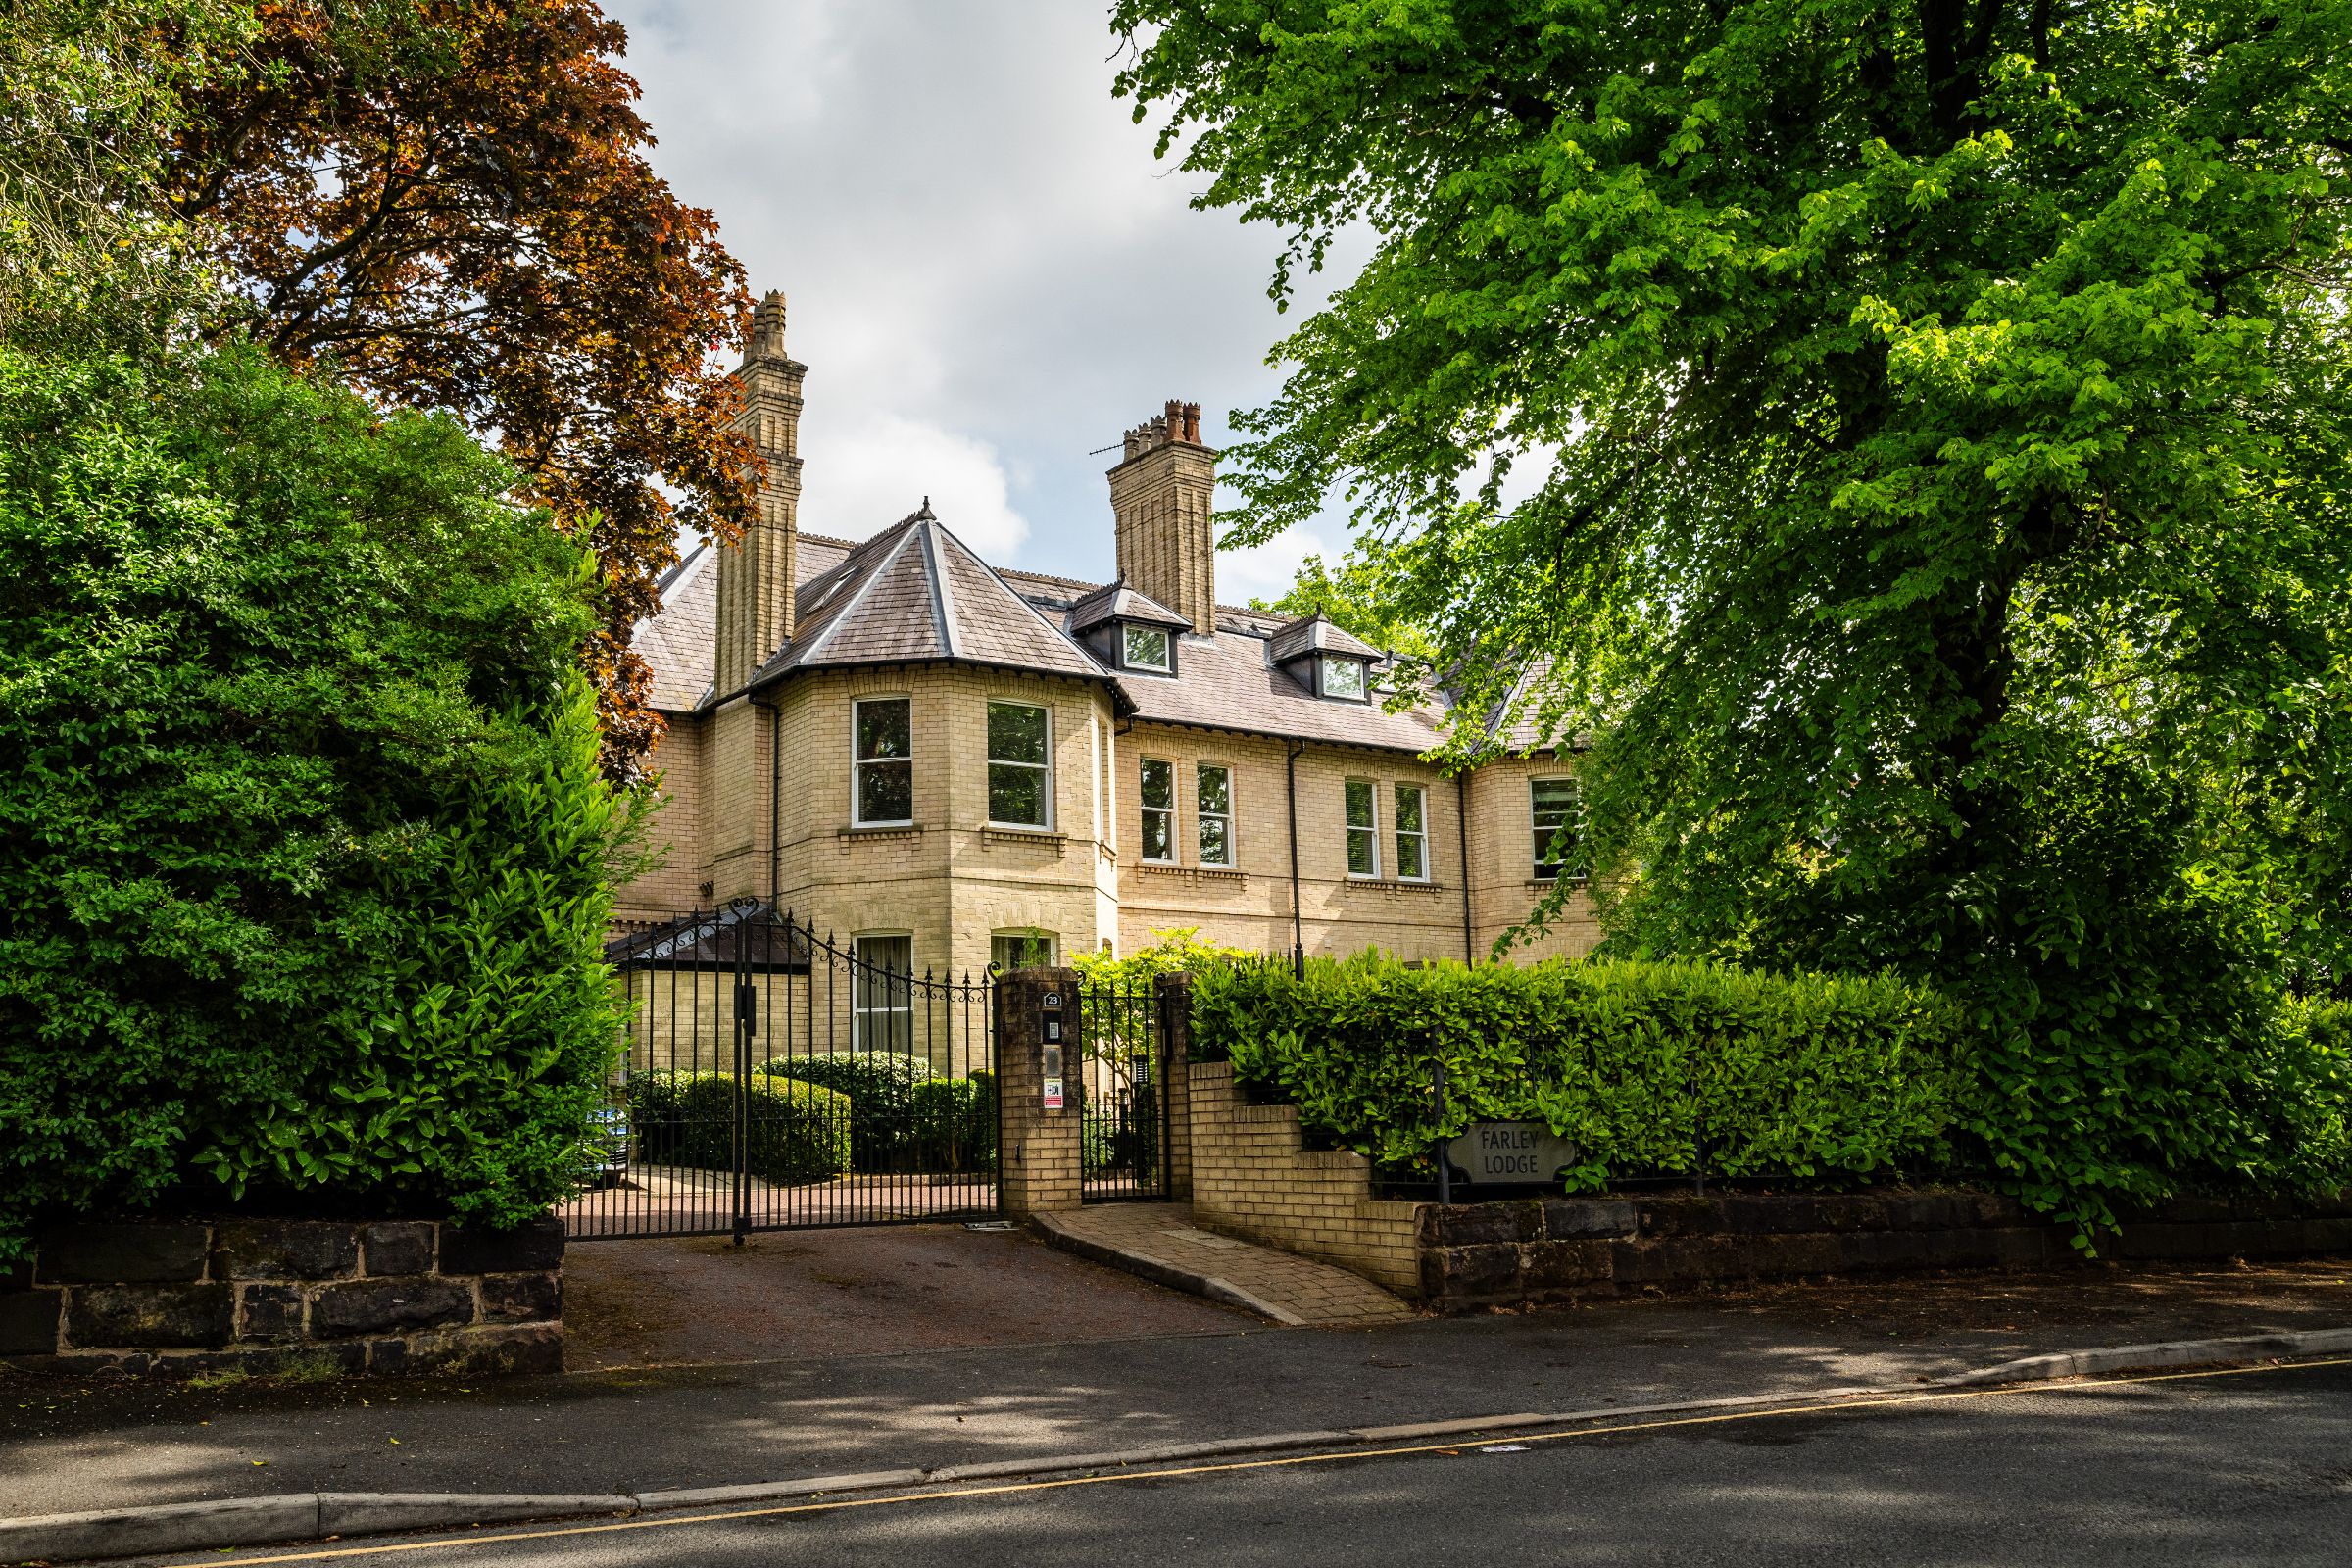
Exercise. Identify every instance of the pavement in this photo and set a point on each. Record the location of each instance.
(2240, 1467)
(1159, 1241)
(822, 1409)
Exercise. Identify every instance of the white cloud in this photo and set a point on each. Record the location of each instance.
(882, 467)
(1266, 570)
(990, 275)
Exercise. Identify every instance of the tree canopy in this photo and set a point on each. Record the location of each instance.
(1942, 520)
(450, 201)
(1360, 594)
(304, 845)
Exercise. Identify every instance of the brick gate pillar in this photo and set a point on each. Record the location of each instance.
(1176, 1038)
(1038, 1160)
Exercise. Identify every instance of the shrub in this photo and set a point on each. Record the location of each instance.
(799, 1132)
(306, 869)
(955, 1122)
(1116, 994)
(1639, 1063)
(880, 1086)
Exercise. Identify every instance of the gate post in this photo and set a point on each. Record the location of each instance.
(1175, 1003)
(1038, 1166)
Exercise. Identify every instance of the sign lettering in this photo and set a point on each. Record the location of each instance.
(1508, 1152)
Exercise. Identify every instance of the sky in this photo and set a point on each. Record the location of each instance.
(987, 272)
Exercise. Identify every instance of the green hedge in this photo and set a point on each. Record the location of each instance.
(1803, 1075)
(799, 1132)
(880, 1085)
(955, 1122)
(304, 841)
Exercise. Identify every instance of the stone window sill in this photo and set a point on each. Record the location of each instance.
(888, 830)
(1195, 873)
(1043, 837)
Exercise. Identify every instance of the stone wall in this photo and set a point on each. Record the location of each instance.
(1561, 1249)
(386, 1296)
(1251, 1176)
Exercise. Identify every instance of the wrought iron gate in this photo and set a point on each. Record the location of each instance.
(774, 1079)
(1123, 1124)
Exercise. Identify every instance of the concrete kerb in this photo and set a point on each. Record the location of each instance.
(316, 1515)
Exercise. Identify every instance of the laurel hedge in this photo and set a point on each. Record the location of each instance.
(799, 1132)
(1649, 1068)
(305, 845)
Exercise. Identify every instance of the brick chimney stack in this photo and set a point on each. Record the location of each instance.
(755, 578)
(1161, 507)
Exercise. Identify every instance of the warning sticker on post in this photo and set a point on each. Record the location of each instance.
(1053, 1094)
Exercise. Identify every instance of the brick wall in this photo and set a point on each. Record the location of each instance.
(1251, 1177)
(1040, 1165)
(1503, 886)
(386, 1296)
(950, 881)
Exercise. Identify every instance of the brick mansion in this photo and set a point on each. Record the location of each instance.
(951, 764)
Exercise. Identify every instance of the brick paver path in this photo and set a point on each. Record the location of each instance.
(1160, 1242)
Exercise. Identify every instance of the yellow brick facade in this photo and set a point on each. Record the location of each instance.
(1251, 1176)
(950, 881)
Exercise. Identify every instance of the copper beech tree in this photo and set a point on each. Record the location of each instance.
(450, 201)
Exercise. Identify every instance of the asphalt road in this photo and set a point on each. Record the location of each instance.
(2237, 1467)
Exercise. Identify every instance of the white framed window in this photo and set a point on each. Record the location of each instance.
(1343, 676)
(1363, 828)
(1555, 804)
(1158, 794)
(1144, 646)
(1020, 778)
(1021, 950)
(1214, 796)
(1413, 833)
(882, 992)
(882, 742)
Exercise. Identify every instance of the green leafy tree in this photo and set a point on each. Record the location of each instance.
(1940, 416)
(305, 849)
(1365, 593)
(92, 93)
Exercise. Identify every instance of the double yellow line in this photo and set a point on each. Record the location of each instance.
(1331, 1456)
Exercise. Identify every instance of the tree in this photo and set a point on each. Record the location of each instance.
(90, 96)
(305, 849)
(450, 202)
(1944, 524)
(1364, 596)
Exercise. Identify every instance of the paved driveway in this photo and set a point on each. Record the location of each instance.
(794, 1295)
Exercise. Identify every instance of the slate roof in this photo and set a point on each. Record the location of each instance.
(680, 644)
(1231, 682)
(1118, 602)
(1317, 635)
(915, 593)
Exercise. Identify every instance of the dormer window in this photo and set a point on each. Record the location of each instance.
(1144, 646)
(1344, 678)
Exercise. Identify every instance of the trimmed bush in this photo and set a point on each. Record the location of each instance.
(305, 884)
(1640, 1063)
(880, 1086)
(955, 1122)
(799, 1132)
